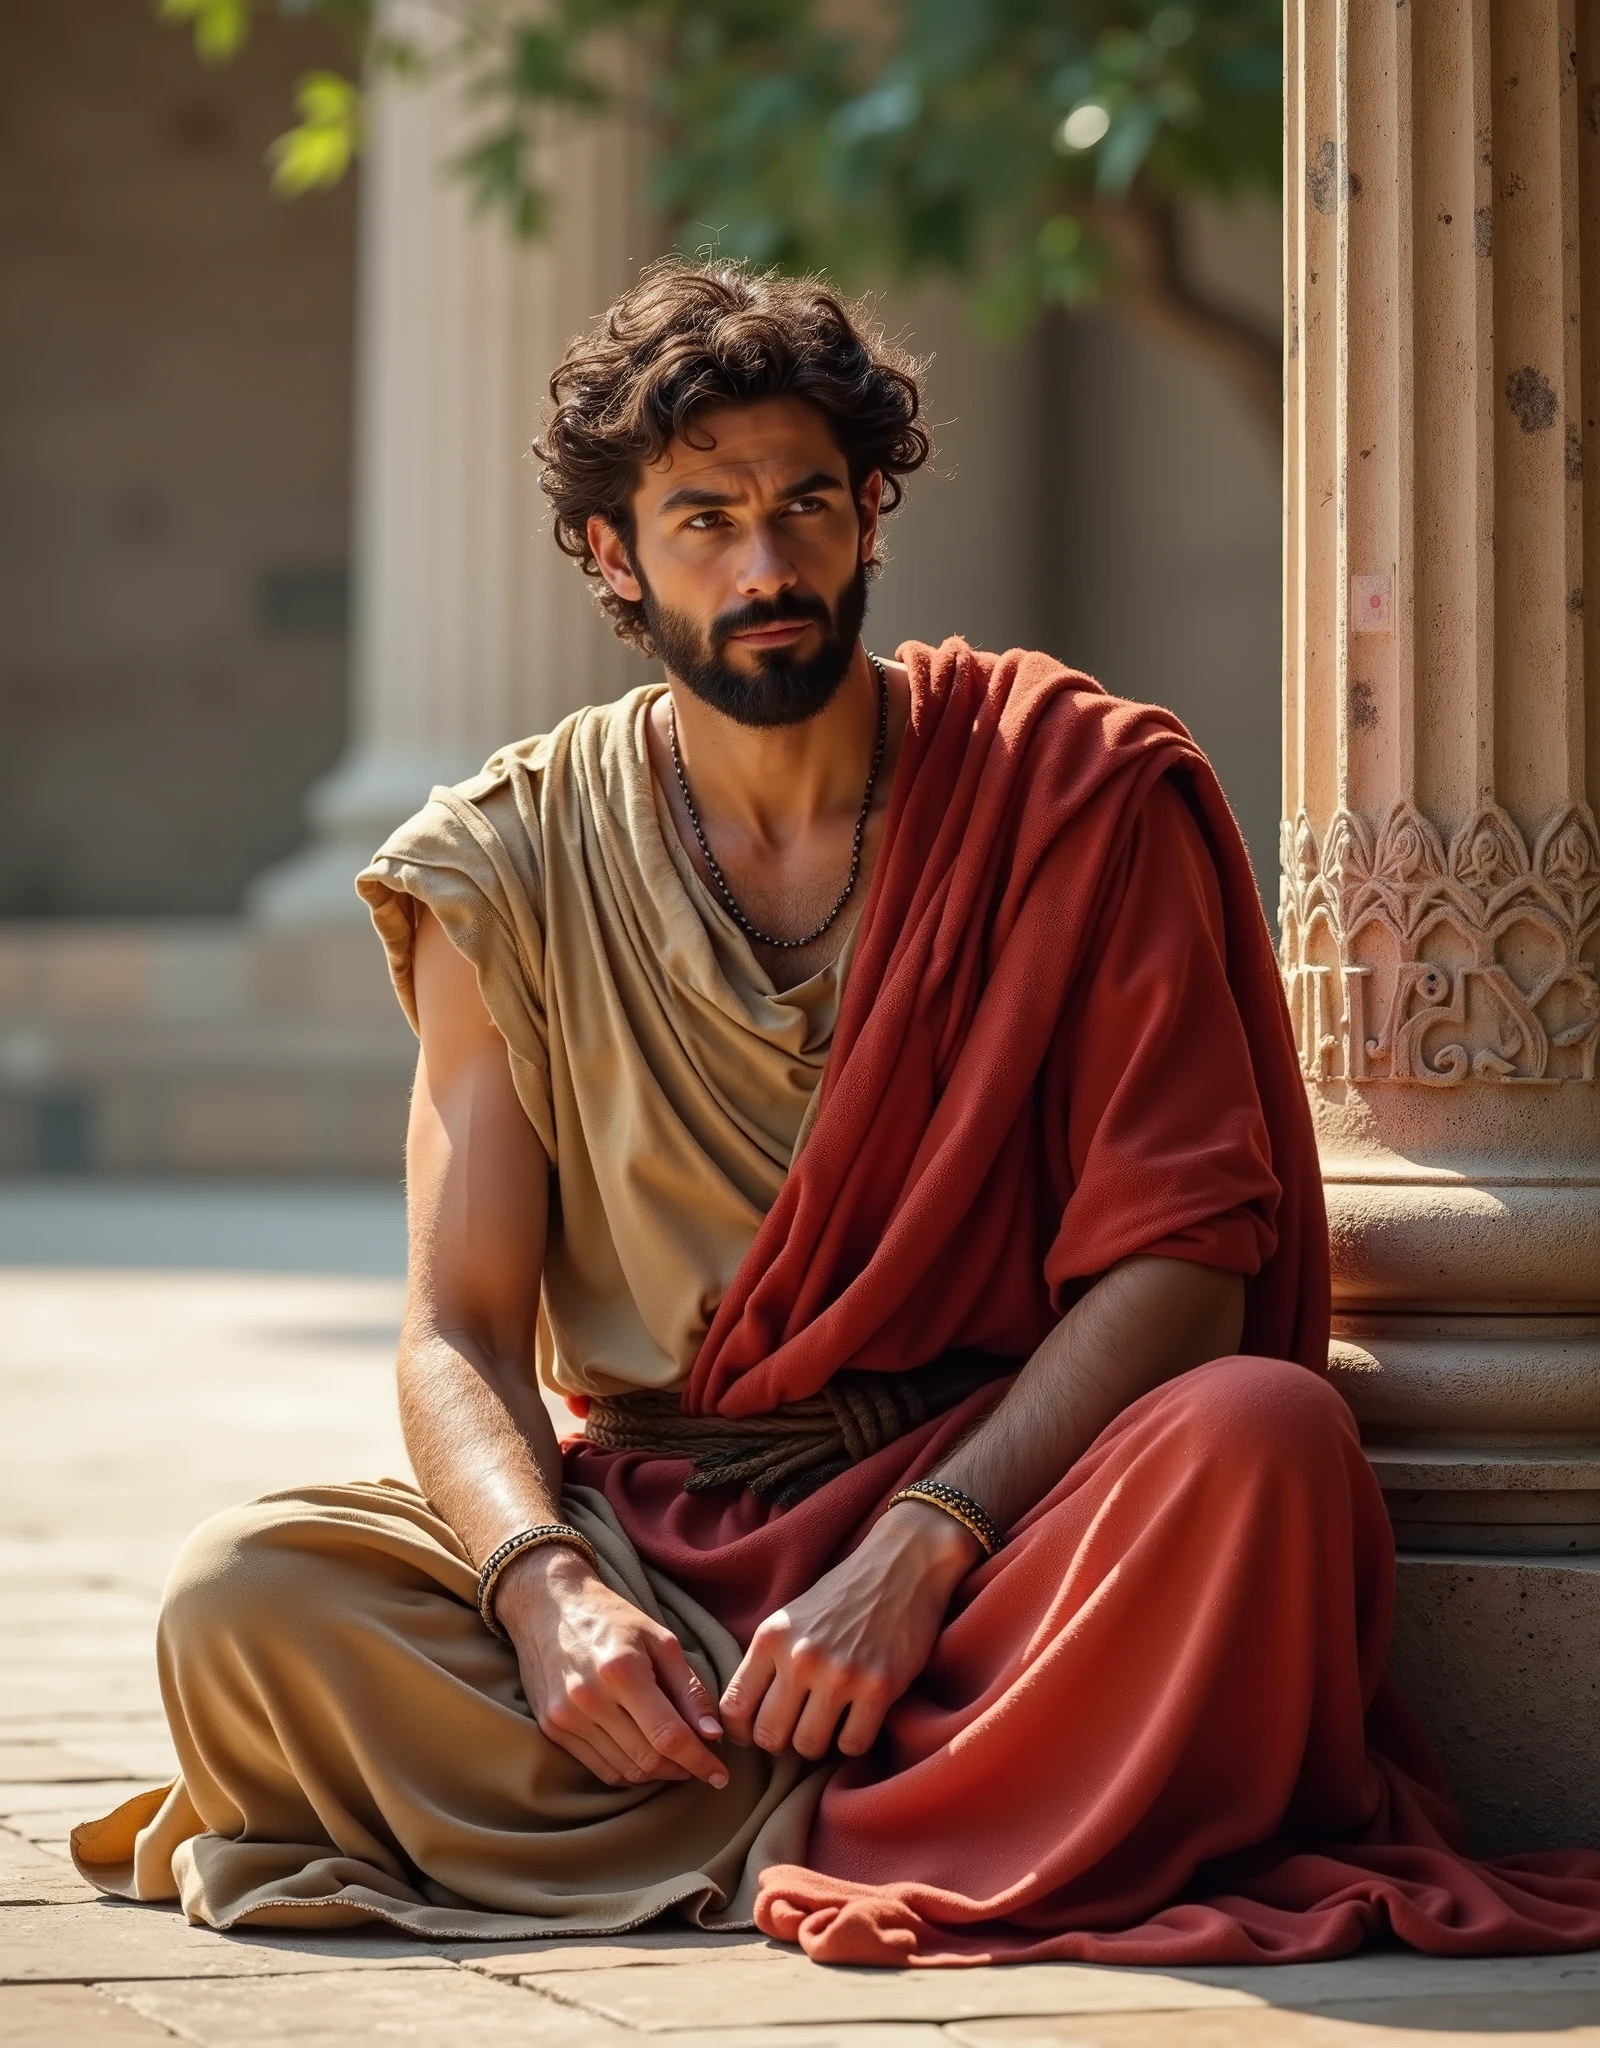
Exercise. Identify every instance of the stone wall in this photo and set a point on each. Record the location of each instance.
(175, 365)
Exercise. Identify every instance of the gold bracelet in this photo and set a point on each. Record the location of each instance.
(959, 1506)
(525, 1539)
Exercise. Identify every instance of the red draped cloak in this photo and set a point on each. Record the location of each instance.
(1156, 1726)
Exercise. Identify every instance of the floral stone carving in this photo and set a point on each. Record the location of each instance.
(1406, 960)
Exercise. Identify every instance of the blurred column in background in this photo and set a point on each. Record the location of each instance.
(470, 629)
(1441, 870)
(175, 413)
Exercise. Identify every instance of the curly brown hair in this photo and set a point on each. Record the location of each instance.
(692, 335)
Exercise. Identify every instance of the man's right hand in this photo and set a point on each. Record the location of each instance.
(609, 1684)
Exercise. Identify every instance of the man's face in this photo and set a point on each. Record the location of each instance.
(749, 556)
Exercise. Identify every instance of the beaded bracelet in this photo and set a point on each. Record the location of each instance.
(525, 1539)
(973, 1516)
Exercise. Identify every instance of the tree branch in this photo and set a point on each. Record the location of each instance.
(1156, 288)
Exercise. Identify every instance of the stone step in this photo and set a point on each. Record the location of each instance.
(199, 1047)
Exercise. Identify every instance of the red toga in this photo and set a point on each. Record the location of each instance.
(1156, 1727)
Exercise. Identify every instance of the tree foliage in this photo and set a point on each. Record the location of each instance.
(1033, 149)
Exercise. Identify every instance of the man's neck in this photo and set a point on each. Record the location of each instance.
(768, 785)
(780, 807)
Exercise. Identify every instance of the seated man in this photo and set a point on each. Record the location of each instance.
(863, 1089)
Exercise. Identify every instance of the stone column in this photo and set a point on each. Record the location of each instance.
(469, 628)
(1441, 870)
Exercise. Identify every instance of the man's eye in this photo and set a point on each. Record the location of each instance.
(805, 505)
(703, 522)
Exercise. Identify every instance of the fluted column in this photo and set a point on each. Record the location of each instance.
(1441, 870)
(469, 628)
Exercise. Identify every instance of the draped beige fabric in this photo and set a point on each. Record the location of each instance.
(666, 1077)
(345, 1723)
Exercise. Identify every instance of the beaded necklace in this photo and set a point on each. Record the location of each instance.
(730, 903)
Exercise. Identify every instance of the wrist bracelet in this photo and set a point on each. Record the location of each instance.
(525, 1539)
(973, 1516)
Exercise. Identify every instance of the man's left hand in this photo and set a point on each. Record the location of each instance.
(852, 1644)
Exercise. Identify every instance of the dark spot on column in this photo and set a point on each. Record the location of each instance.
(1592, 111)
(1352, 185)
(1322, 179)
(1447, 218)
(1513, 185)
(1575, 603)
(1363, 707)
(1574, 453)
(1532, 400)
(1483, 231)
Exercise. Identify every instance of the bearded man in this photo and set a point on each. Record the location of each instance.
(863, 1089)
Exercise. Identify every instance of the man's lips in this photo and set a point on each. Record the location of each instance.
(773, 636)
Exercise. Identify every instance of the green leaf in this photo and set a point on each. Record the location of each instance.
(318, 150)
(221, 27)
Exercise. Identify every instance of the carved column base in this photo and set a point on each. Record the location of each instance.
(1446, 995)
(1466, 1333)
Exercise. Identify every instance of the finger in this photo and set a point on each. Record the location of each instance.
(664, 1730)
(744, 1692)
(590, 1708)
(681, 1683)
(642, 1761)
(598, 1754)
(780, 1710)
(818, 1718)
(864, 1722)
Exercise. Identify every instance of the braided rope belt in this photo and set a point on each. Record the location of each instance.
(784, 1455)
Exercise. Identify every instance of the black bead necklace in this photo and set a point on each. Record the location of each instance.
(730, 903)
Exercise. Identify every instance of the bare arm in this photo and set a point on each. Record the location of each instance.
(1144, 1322)
(852, 1644)
(481, 1444)
(610, 1685)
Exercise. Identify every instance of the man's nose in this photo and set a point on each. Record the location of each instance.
(765, 570)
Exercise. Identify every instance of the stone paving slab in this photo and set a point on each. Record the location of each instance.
(70, 2016)
(659, 2001)
(1423, 2023)
(841, 2034)
(44, 1796)
(129, 1745)
(49, 1763)
(30, 1876)
(674, 1946)
(442, 2010)
(91, 1944)
(799, 1992)
(439, 2008)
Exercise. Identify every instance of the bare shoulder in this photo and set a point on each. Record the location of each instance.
(452, 1018)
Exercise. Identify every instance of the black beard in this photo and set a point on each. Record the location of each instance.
(784, 691)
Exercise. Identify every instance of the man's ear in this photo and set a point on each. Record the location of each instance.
(610, 553)
(868, 500)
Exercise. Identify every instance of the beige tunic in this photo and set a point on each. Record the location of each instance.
(667, 1078)
(354, 1744)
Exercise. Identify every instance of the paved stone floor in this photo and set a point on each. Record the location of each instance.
(163, 1352)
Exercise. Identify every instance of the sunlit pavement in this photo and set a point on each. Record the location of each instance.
(167, 1350)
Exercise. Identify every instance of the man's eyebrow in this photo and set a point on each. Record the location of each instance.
(695, 496)
(818, 480)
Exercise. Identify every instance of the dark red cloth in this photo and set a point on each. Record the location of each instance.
(986, 1121)
(1155, 1727)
